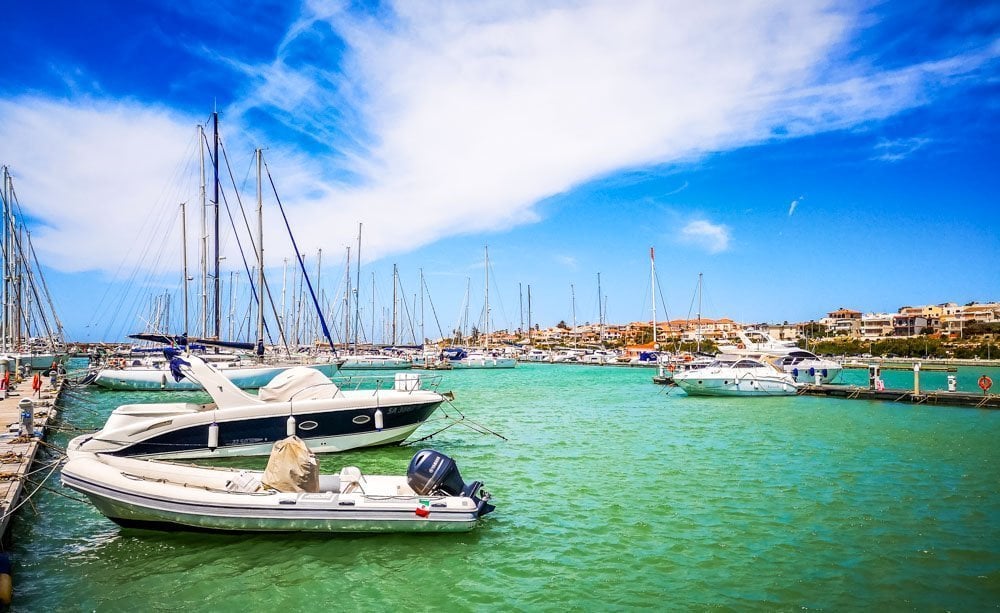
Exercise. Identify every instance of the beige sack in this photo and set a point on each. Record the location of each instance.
(291, 467)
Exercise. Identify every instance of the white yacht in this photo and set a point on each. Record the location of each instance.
(734, 375)
(803, 365)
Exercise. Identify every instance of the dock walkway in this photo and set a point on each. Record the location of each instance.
(17, 452)
(935, 397)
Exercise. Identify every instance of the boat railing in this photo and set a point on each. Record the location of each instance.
(406, 382)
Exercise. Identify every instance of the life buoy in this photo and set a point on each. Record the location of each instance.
(688, 358)
(741, 346)
(985, 383)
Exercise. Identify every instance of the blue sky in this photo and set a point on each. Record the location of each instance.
(802, 158)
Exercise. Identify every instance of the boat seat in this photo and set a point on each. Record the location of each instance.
(243, 482)
(329, 483)
(350, 480)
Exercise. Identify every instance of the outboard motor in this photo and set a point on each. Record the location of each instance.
(432, 472)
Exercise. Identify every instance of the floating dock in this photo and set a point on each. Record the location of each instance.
(17, 451)
(935, 397)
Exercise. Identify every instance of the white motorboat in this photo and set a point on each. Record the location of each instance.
(431, 497)
(375, 361)
(599, 356)
(802, 364)
(731, 375)
(805, 366)
(462, 359)
(299, 401)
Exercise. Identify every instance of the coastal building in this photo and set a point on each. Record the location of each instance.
(876, 326)
(843, 322)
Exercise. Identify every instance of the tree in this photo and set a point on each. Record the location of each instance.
(562, 325)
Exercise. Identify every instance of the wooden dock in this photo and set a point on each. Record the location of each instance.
(931, 397)
(17, 452)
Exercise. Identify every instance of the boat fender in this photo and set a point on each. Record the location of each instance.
(290, 426)
(812, 372)
(163, 381)
(379, 421)
(795, 373)
(213, 436)
(823, 372)
(6, 582)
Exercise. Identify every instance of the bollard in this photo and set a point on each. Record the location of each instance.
(952, 383)
(27, 408)
(916, 378)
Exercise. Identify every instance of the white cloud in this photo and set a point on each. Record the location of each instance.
(899, 149)
(794, 205)
(714, 238)
(445, 118)
(96, 172)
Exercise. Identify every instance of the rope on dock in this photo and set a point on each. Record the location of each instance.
(26, 499)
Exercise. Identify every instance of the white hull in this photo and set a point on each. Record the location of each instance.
(154, 379)
(355, 362)
(474, 362)
(751, 386)
(150, 494)
(736, 377)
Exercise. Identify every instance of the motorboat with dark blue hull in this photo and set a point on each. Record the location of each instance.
(300, 401)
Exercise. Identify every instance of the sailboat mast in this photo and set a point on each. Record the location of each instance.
(347, 301)
(357, 306)
(423, 332)
(652, 275)
(319, 292)
(203, 243)
(185, 258)
(6, 263)
(395, 301)
(529, 313)
(215, 282)
(572, 296)
(486, 338)
(260, 257)
(520, 301)
(698, 346)
(600, 311)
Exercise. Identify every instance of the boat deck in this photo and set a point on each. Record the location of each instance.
(17, 453)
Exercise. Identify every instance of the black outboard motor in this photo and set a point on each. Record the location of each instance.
(432, 472)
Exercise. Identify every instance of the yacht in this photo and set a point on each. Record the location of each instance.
(803, 365)
(735, 375)
(299, 401)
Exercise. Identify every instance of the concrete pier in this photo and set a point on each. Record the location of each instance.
(18, 443)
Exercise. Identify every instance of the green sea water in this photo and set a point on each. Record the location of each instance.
(612, 493)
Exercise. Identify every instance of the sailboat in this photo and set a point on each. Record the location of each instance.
(247, 372)
(482, 357)
(28, 337)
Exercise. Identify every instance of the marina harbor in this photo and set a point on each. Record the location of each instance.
(513, 306)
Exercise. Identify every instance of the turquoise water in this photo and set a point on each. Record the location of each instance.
(611, 493)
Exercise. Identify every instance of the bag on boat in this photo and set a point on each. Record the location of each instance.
(291, 467)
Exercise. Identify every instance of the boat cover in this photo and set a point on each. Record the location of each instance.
(298, 383)
(291, 467)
